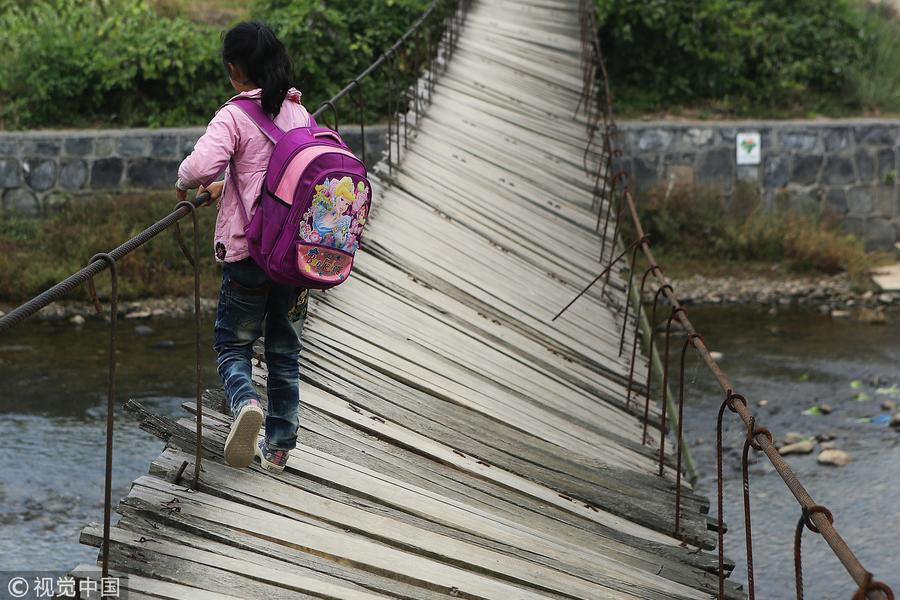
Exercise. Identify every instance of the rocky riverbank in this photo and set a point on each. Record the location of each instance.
(78, 311)
(829, 295)
(833, 295)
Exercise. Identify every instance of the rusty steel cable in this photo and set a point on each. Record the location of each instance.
(194, 259)
(665, 391)
(803, 523)
(110, 400)
(750, 442)
(649, 393)
(637, 328)
(628, 297)
(606, 270)
(680, 439)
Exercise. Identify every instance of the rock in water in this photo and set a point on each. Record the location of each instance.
(873, 316)
(143, 330)
(895, 421)
(834, 457)
(792, 437)
(888, 405)
(802, 447)
(77, 320)
(164, 345)
(716, 356)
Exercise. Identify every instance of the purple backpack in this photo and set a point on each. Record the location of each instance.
(312, 208)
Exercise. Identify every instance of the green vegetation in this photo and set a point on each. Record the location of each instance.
(690, 226)
(67, 63)
(720, 58)
(36, 254)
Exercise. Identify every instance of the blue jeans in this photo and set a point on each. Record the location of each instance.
(251, 304)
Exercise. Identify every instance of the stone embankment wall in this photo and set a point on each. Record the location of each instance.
(41, 170)
(844, 168)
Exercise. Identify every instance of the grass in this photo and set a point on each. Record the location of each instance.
(37, 253)
(688, 226)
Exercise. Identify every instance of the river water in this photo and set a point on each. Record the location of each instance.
(53, 398)
(785, 364)
(52, 430)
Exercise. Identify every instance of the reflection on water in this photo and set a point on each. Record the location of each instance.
(785, 364)
(52, 430)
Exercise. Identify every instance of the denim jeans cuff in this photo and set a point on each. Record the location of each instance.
(240, 404)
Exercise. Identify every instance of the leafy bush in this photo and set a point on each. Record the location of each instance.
(332, 42)
(70, 62)
(876, 82)
(699, 224)
(758, 53)
(123, 62)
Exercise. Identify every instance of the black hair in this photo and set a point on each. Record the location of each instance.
(253, 47)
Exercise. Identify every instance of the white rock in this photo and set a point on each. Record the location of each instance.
(140, 314)
(716, 356)
(77, 320)
(792, 437)
(840, 314)
(802, 447)
(834, 457)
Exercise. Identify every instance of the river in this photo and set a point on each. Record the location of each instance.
(54, 396)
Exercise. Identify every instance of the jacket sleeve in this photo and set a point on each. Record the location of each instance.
(212, 152)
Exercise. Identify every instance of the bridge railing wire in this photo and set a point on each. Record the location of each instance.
(411, 66)
(613, 194)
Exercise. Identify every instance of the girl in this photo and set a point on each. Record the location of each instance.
(250, 304)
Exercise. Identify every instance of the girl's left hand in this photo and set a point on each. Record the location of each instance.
(214, 189)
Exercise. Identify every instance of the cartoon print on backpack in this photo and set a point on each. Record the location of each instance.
(336, 215)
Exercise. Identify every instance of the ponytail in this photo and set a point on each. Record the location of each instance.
(253, 47)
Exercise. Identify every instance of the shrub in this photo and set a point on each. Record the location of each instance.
(130, 63)
(70, 62)
(756, 52)
(331, 42)
(876, 82)
(699, 224)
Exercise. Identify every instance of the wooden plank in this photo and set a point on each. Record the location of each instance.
(455, 442)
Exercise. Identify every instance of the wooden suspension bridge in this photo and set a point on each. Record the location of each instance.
(454, 443)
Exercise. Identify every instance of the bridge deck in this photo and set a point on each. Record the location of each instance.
(454, 442)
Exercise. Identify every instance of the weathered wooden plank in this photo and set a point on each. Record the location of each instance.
(358, 550)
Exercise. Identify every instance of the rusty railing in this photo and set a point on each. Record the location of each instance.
(614, 190)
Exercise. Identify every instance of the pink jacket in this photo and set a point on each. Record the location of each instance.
(233, 138)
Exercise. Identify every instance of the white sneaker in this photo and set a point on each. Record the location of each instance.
(240, 447)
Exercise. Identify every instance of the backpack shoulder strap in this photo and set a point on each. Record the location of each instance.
(253, 110)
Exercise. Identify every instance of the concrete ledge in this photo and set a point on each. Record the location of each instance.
(845, 168)
(42, 170)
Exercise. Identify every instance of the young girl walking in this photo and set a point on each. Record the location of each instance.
(250, 304)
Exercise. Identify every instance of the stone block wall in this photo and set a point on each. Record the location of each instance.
(844, 168)
(42, 170)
